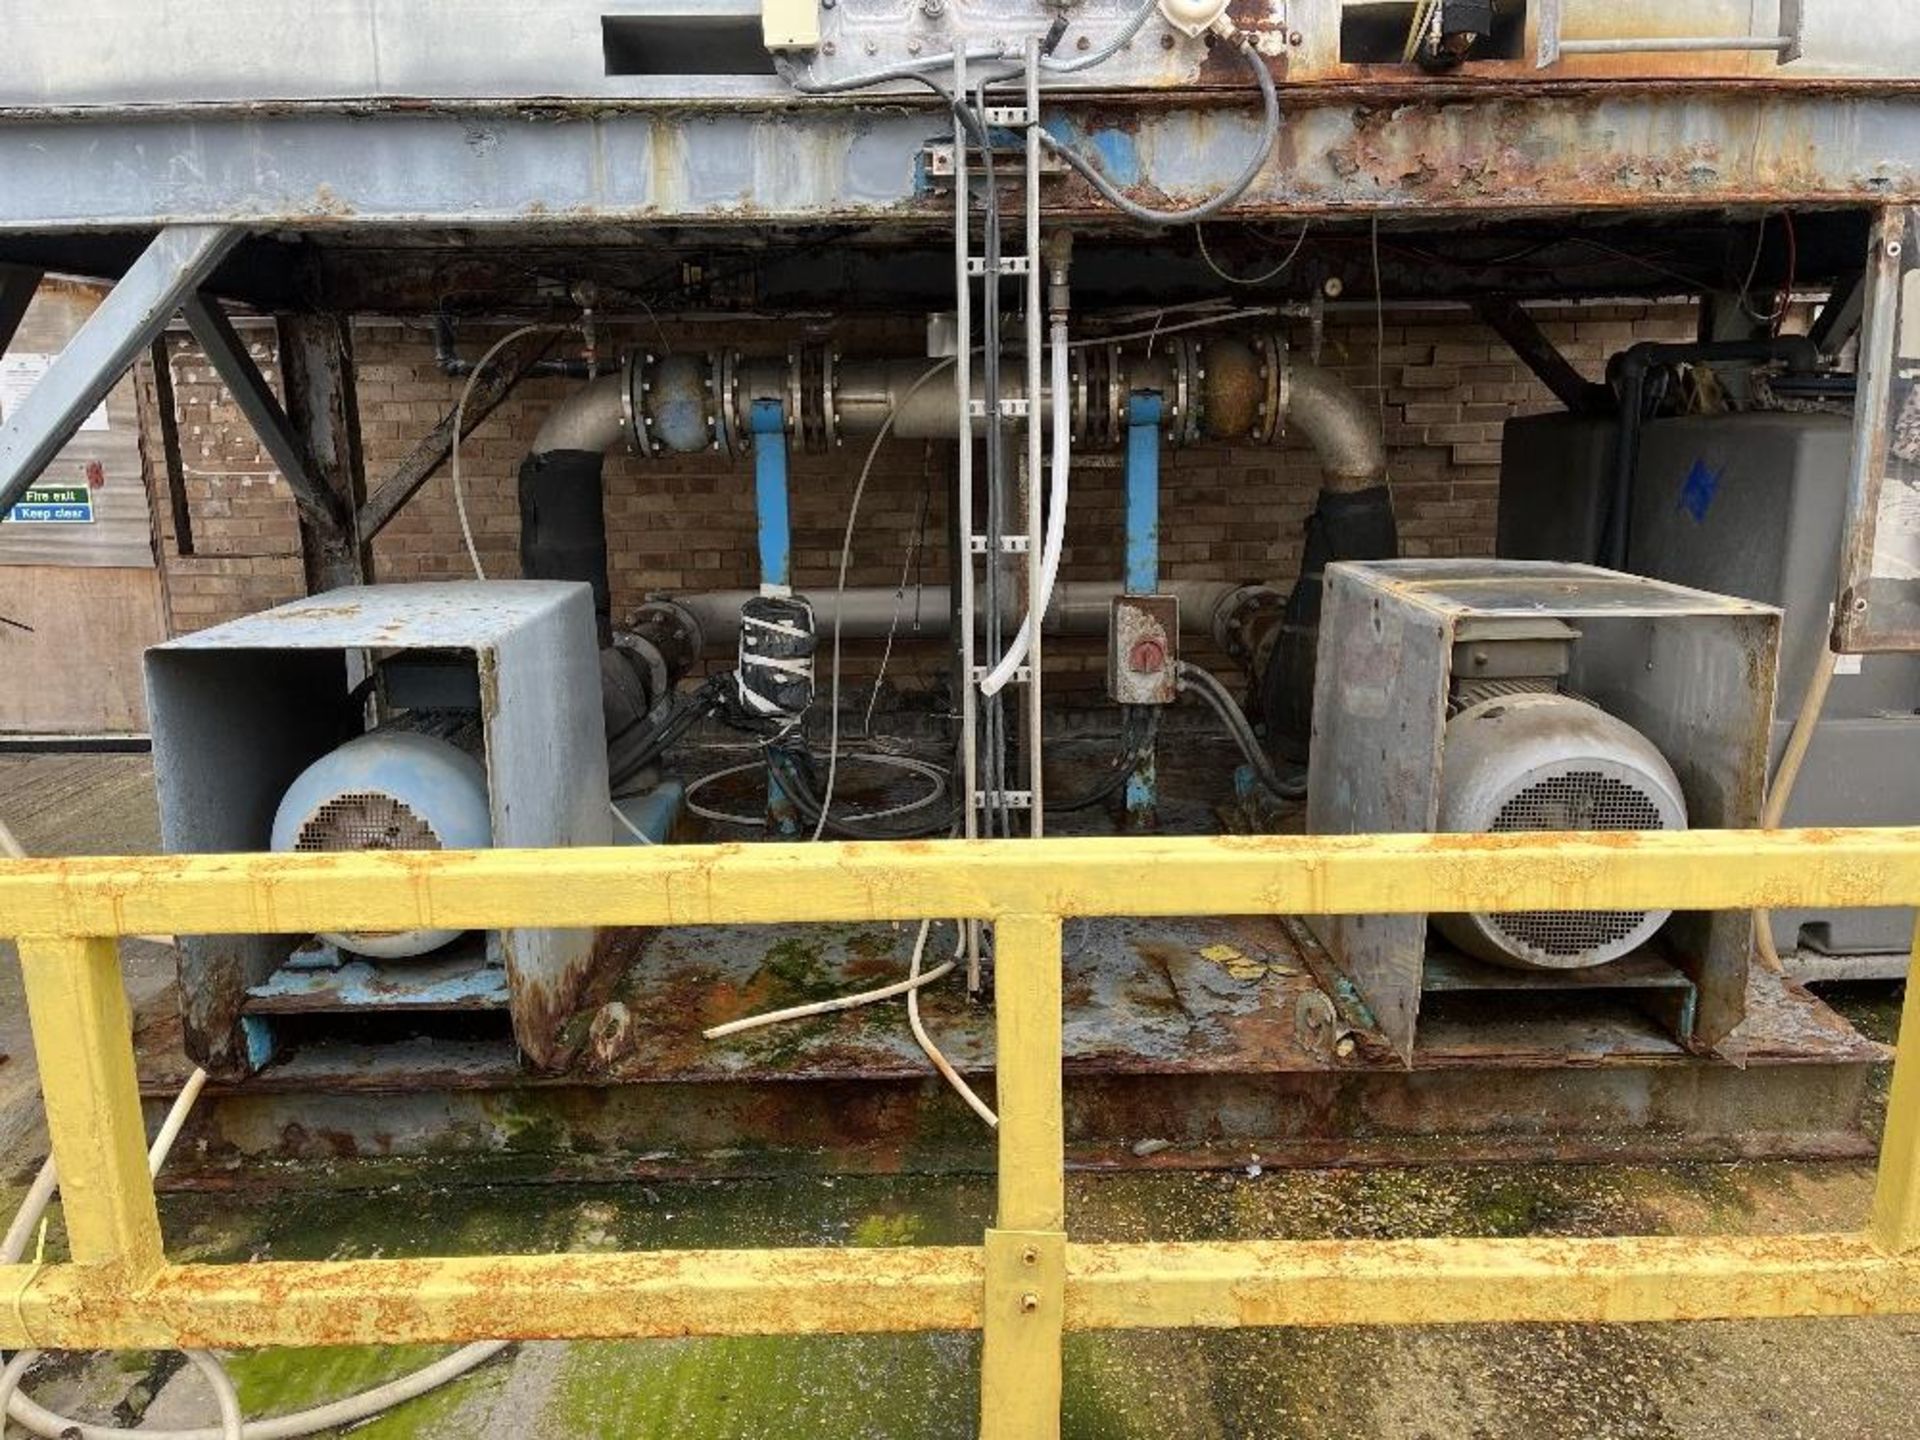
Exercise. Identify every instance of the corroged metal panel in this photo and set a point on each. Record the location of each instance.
(1878, 607)
(1510, 150)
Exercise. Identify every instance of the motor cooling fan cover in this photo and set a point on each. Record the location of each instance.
(389, 790)
(1552, 762)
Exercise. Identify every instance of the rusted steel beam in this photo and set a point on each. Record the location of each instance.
(1522, 332)
(316, 366)
(910, 880)
(1484, 148)
(433, 448)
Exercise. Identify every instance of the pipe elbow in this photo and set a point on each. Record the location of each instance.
(592, 419)
(1342, 428)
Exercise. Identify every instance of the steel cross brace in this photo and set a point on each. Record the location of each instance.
(227, 353)
(169, 270)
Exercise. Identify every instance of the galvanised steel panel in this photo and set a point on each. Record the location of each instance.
(567, 165)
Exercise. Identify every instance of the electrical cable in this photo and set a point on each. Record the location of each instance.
(1192, 214)
(1200, 234)
(840, 585)
(925, 1041)
(923, 768)
(1228, 318)
(1799, 740)
(1107, 51)
(1193, 680)
(795, 780)
(1055, 538)
(1136, 743)
(23, 1411)
(830, 1007)
(459, 422)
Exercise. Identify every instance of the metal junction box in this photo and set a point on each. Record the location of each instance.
(241, 709)
(1692, 672)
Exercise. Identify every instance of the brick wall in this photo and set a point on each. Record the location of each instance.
(687, 522)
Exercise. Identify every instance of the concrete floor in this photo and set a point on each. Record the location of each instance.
(1757, 1381)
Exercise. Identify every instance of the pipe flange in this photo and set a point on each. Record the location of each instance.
(1285, 389)
(793, 388)
(1183, 427)
(1268, 419)
(1079, 413)
(629, 411)
(1116, 405)
(831, 432)
(812, 385)
(633, 403)
(733, 431)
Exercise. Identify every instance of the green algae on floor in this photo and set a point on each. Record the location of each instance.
(278, 1382)
(863, 1387)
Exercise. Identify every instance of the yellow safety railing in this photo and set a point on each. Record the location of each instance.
(1027, 1283)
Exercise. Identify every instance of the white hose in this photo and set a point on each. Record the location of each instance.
(39, 1420)
(997, 678)
(829, 1007)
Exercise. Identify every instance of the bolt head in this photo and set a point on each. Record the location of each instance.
(1029, 1302)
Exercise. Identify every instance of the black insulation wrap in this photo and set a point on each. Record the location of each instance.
(1350, 525)
(563, 524)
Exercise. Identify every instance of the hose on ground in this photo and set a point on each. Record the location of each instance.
(1195, 681)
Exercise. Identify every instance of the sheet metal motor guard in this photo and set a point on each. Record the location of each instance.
(442, 785)
(1502, 747)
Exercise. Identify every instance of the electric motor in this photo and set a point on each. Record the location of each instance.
(1547, 761)
(388, 790)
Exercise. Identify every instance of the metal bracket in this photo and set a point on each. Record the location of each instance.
(1009, 544)
(1022, 674)
(1011, 799)
(1013, 406)
(1009, 264)
(1007, 117)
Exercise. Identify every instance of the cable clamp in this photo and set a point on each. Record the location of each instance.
(1010, 799)
(1007, 117)
(1009, 264)
(1022, 675)
(1009, 544)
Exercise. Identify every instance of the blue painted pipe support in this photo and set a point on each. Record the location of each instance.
(1143, 492)
(1144, 410)
(768, 421)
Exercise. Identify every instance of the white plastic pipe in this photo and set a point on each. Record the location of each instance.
(1016, 655)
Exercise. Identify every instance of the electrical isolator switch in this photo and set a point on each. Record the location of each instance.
(1143, 649)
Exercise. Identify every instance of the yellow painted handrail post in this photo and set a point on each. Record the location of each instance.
(83, 1038)
(1896, 1201)
(1026, 1251)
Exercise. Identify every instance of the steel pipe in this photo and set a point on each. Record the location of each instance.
(867, 612)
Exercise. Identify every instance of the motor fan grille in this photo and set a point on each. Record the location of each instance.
(1575, 800)
(365, 820)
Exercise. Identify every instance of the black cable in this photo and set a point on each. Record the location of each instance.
(1136, 743)
(790, 771)
(1195, 681)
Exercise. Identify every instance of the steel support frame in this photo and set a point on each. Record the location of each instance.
(319, 505)
(169, 270)
(1027, 1284)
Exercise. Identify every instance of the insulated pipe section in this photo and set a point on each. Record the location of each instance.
(1212, 608)
(1352, 520)
(563, 521)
